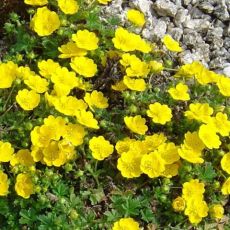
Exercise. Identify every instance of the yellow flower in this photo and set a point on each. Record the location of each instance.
(127, 59)
(152, 164)
(171, 170)
(221, 124)
(152, 142)
(199, 112)
(137, 69)
(70, 49)
(96, 99)
(69, 105)
(86, 40)
(192, 189)
(67, 151)
(193, 141)
(6, 151)
(205, 76)
(155, 66)
(23, 157)
(216, 211)
(8, 74)
(45, 22)
(226, 187)
(178, 204)
(100, 148)
(136, 124)
(24, 185)
(74, 133)
(28, 100)
(224, 86)
(138, 147)
(41, 136)
(64, 79)
(24, 72)
(136, 17)
(225, 162)
(192, 148)
(36, 2)
(57, 126)
(127, 41)
(180, 92)
(4, 185)
(84, 66)
(189, 70)
(196, 209)
(104, 2)
(86, 118)
(207, 134)
(119, 86)
(135, 84)
(36, 83)
(159, 113)
(36, 153)
(126, 224)
(190, 154)
(124, 145)
(53, 155)
(46, 68)
(68, 6)
(129, 164)
(168, 152)
(171, 44)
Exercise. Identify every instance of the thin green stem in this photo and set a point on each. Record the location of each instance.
(8, 98)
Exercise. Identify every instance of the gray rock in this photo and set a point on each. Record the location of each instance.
(181, 17)
(214, 32)
(216, 63)
(177, 2)
(219, 23)
(143, 5)
(220, 52)
(221, 11)
(186, 2)
(226, 70)
(206, 7)
(176, 33)
(187, 57)
(197, 24)
(159, 29)
(191, 38)
(227, 42)
(165, 8)
(227, 31)
(217, 43)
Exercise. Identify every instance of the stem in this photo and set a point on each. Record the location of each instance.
(8, 98)
(170, 69)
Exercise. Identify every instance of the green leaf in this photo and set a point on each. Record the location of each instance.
(205, 173)
(27, 217)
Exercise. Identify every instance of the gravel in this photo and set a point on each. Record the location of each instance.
(201, 26)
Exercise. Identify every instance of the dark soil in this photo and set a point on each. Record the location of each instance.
(8, 6)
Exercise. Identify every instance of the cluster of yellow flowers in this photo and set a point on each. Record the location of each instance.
(152, 156)
(54, 142)
(193, 204)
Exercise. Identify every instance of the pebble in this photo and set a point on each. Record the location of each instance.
(226, 70)
(165, 8)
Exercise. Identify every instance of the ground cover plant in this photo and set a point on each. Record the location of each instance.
(101, 129)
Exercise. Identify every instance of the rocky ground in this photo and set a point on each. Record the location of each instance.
(201, 26)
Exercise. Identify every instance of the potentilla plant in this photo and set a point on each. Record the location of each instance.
(85, 97)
